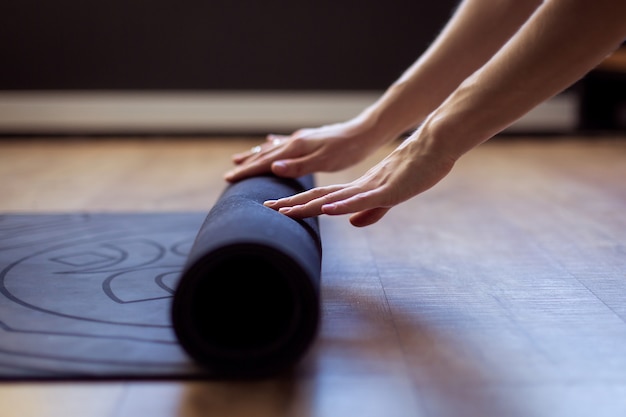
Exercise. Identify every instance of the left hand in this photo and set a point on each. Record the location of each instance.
(323, 149)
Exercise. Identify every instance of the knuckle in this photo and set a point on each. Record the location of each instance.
(298, 142)
(301, 132)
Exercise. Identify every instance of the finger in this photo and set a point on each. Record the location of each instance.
(303, 197)
(271, 141)
(368, 217)
(276, 139)
(242, 156)
(314, 207)
(238, 158)
(257, 164)
(298, 167)
(354, 203)
(248, 170)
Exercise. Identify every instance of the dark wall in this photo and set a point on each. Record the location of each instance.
(213, 44)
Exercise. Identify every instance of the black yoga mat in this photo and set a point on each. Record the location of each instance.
(248, 300)
(90, 296)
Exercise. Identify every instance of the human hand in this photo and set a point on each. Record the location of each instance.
(408, 171)
(327, 148)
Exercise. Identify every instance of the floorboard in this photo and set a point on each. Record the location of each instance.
(500, 292)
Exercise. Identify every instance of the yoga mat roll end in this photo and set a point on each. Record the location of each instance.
(247, 303)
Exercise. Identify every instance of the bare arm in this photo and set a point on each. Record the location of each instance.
(560, 42)
(475, 32)
(473, 35)
(563, 40)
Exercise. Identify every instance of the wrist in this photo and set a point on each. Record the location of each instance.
(398, 111)
(440, 136)
(368, 128)
(466, 119)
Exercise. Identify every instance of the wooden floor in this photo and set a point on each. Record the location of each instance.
(500, 292)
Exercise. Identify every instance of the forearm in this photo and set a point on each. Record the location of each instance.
(562, 41)
(476, 31)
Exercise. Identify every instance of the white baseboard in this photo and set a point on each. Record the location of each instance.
(121, 112)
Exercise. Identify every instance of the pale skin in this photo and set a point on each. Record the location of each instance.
(493, 62)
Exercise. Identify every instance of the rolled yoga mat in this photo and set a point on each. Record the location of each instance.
(247, 303)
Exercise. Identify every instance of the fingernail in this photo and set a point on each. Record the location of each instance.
(279, 167)
(269, 203)
(284, 210)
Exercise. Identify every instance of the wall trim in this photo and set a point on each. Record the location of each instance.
(228, 112)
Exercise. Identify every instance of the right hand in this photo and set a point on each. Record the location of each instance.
(323, 149)
(412, 168)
